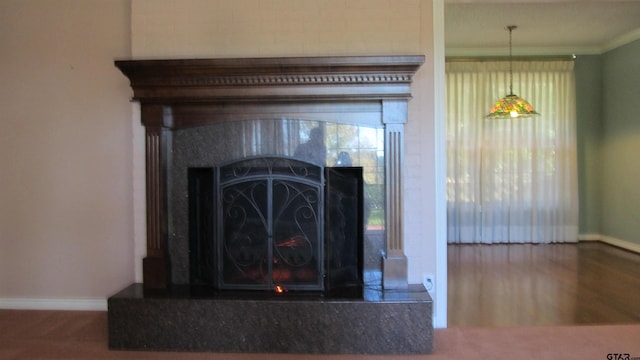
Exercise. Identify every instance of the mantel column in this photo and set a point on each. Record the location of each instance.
(394, 262)
(155, 266)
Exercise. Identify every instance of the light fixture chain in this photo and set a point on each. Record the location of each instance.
(511, 27)
(511, 106)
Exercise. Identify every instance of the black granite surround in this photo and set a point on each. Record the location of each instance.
(182, 101)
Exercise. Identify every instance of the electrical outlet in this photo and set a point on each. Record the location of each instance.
(429, 282)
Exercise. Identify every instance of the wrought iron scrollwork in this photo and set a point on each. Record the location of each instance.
(271, 230)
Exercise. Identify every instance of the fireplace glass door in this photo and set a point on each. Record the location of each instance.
(270, 231)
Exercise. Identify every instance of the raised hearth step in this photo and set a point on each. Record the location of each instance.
(382, 322)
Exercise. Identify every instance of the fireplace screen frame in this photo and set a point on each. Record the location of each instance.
(237, 185)
(336, 201)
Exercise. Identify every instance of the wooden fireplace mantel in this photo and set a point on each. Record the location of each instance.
(296, 78)
(162, 86)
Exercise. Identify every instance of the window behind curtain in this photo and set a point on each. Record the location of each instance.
(511, 180)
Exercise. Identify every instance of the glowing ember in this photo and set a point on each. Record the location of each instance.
(293, 241)
(279, 289)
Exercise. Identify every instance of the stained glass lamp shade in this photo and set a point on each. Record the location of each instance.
(512, 105)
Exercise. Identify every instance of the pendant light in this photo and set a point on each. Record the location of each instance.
(511, 106)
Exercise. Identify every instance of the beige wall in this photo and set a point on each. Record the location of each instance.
(65, 142)
(249, 28)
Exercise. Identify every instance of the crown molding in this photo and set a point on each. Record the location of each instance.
(547, 51)
(621, 41)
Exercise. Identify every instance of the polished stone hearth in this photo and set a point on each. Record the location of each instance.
(195, 319)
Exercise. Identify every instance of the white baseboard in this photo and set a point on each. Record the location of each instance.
(589, 237)
(53, 304)
(624, 244)
(627, 245)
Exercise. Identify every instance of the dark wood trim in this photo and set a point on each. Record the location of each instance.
(157, 142)
(290, 79)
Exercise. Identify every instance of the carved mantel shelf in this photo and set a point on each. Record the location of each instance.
(300, 78)
(181, 93)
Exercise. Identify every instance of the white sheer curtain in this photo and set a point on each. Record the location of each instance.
(511, 180)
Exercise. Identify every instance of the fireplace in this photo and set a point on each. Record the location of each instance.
(274, 189)
(276, 224)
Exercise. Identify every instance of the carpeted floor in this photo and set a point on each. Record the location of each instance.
(83, 335)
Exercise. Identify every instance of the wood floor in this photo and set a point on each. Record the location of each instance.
(539, 285)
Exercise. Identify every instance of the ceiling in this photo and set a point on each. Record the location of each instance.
(478, 27)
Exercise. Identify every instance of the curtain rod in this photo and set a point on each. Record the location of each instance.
(507, 58)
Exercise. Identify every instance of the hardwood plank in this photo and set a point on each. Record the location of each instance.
(545, 284)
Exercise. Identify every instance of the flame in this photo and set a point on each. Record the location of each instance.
(292, 241)
(279, 289)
